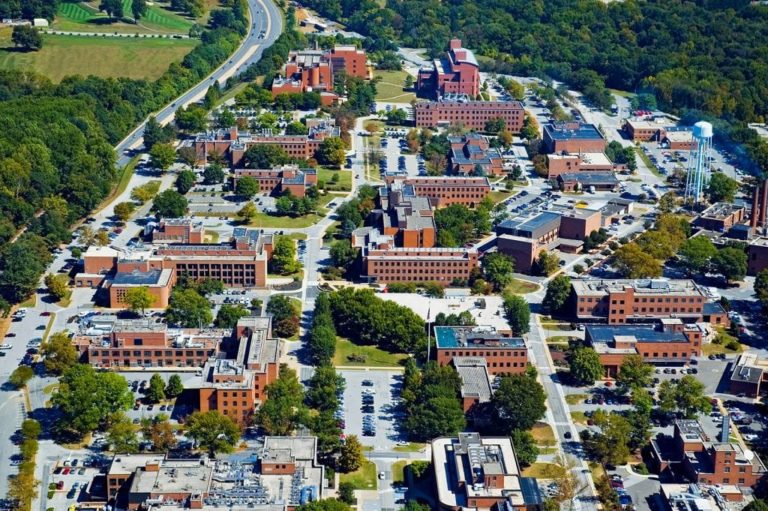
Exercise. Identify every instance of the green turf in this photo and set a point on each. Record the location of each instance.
(85, 17)
(390, 88)
(363, 478)
(100, 56)
(374, 357)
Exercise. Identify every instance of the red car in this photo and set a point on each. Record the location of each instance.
(60, 485)
(46, 313)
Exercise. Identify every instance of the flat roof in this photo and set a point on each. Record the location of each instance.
(721, 210)
(572, 131)
(475, 382)
(601, 287)
(642, 333)
(475, 336)
(590, 177)
(142, 278)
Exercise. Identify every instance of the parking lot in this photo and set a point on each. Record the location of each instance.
(69, 478)
(374, 425)
(394, 160)
(668, 160)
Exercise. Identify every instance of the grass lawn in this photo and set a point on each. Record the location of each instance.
(497, 197)
(597, 470)
(543, 435)
(390, 88)
(363, 478)
(558, 339)
(398, 469)
(29, 302)
(343, 184)
(520, 287)
(543, 471)
(574, 399)
(579, 417)
(374, 357)
(125, 178)
(285, 222)
(411, 447)
(51, 321)
(101, 56)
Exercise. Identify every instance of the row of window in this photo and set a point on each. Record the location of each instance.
(420, 264)
(147, 353)
(462, 353)
(132, 362)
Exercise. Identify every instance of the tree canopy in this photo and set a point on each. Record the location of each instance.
(585, 365)
(213, 431)
(518, 403)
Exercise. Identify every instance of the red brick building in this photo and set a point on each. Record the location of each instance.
(503, 354)
(385, 263)
(279, 180)
(471, 114)
(456, 73)
(643, 130)
(471, 154)
(178, 230)
(573, 138)
(446, 190)
(566, 163)
(720, 217)
(757, 256)
(350, 60)
(307, 70)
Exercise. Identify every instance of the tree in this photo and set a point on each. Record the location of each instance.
(121, 434)
(188, 308)
(161, 434)
(170, 204)
(518, 314)
(247, 187)
(285, 315)
(58, 285)
(113, 8)
(296, 128)
(332, 151)
(86, 398)
(124, 210)
(611, 445)
(546, 264)
(213, 174)
(731, 263)
(185, 180)
(634, 373)
(154, 133)
(558, 292)
(324, 505)
(518, 403)
(22, 263)
(696, 253)
(138, 299)
(498, 269)
(27, 37)
(685, 396)
(174, 387)
(634, 263)
(248, 212)
(761, 287)
(437, 416)
(156, 391)
(139, 9)
(722, 188)
(530, 129)
(346, 493)
(668, 202)
(568, 485)
(265, 156)
(585, 365)
(284, 408)
(213, 431)
(20, 376)
(284, 256)
(351, 455)
(229, 315)
(525, 447)
(162, 156)
(495, 125)
(102, 238)
(59, 352)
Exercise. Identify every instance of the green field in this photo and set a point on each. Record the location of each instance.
(390, 88)
(100, 56)
(363, 478)
(344, 182)
(85, 17)
(374, 357)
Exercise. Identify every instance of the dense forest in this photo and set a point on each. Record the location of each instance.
(56, 157)
(704, 55)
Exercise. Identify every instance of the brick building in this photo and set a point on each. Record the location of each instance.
(306, 70)
(233, 144)
(393, 264)
(446, 190)
(720, 217)
(503, 354)
(748, 375)
(147, 343)
(691, 455)
(668, 342)
(644, 130)
(406, 218)
(573, 138)
(456, 73)
(621, 301)
(350, 60)
(476, 389)
(678, 140)
(479, 473)
(757, 255)
(234, 387)
(471, 114)
(279, 476)
(580, 181)
(563, 163)
(279, 180)
(759, 214)
(178, 230)
(471, 154)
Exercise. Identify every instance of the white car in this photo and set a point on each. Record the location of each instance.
(5, 346)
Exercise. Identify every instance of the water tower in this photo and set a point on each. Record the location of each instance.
(698, 163)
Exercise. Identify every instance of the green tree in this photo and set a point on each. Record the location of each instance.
(27, 37)
(437, 416)
(546, 264)
(731, 263)
(696, 253)
(285, 316)
(633, 262)
(247, 187)
(138, 299)
(722, 188)
(761, 287)
(86, 398)
(154, 133)
(265, 156)
(20, 376)
(248, 212)
(113, 8)
(284, 408)
(174, 387)
(526, 450)
(346, 493)
(185, 180)
(518, 403)
(530, 129)
(60, 354)
(187, 308)
(284, 259)
(296, 128)
(518, 314)
(229, 315)
(611, 445)
(685, 396)
(139, 9)
(121, 434)
(170, 204)
(162, 156)
(585, 365)
(161, 434)
(57, 285)
(558, 292)
(668, 202)
(342, 253)
(324, 505)
(156, 390)
(22, 263)
(124, 210)
(498, 269)
(332, 151)
(213, 174)
(633, 372)
(213, 431)
(351, 455)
